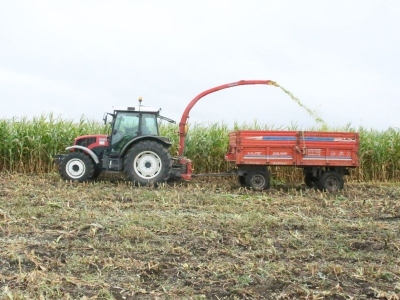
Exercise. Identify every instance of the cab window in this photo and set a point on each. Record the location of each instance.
(149, 124)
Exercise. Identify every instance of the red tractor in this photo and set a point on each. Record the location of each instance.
(133, 146)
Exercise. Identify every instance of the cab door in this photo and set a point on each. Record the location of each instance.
(125, 128)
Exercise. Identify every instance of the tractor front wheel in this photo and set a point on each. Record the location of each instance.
(76, 166)
(148, 162)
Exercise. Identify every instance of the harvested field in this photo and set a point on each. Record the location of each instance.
(208, 239)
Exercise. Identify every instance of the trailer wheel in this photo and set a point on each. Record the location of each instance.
(258, 180)
(331, 181)
(76, 166)
(148, 162)
(310, 180)
(242, 180)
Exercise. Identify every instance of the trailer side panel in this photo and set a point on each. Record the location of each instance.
(297, 148)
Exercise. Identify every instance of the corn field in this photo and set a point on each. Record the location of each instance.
(28, 146)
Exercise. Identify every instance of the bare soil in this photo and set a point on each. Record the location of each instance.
(207, 239)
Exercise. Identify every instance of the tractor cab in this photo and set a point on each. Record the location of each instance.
(128, 123)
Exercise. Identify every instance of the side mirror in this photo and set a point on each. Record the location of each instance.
(105, 117)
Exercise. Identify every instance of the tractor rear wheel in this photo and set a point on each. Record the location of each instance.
(258, 180)
(148, 162)
(76, 166)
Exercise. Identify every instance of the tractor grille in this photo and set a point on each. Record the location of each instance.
(85, 142)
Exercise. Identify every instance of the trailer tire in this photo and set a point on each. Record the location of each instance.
(258, 180)
(310, 180)
(148, 162)
(76, 166)
(242, 180)
(331, 181)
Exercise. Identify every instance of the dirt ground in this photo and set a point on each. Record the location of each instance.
(208, 239)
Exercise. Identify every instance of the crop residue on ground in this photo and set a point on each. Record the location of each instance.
(207, 239)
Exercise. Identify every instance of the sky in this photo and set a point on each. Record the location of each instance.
(74, 58)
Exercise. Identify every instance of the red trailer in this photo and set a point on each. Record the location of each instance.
(325, 157)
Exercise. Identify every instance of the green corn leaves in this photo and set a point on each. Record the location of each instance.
(28, 145)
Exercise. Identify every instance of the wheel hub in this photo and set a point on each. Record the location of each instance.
(258, 181)
(332, 184)
(75, 168)
(147, 165)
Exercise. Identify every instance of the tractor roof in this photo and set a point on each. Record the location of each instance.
(141, 108)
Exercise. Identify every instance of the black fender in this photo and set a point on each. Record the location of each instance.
(164, 141)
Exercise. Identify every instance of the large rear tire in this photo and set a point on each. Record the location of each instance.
(148, 162)
(76, 166)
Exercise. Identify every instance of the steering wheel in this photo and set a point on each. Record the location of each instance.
(131, 130)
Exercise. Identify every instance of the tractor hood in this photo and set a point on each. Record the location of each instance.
(92, 140)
